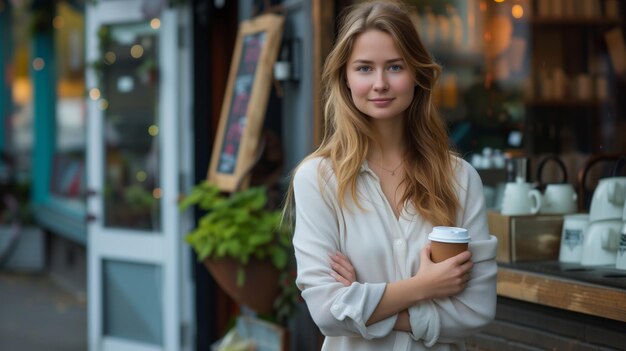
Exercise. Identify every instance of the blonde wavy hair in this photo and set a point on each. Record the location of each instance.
(348, 132)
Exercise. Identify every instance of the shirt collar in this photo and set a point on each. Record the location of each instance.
(365, 168)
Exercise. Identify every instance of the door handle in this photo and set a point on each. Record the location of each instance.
(90, 217)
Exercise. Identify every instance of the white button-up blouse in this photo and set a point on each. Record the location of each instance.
(384, 249)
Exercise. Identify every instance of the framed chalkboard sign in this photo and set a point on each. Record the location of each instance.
(245, 100)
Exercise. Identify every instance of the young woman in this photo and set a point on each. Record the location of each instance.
(367, 198)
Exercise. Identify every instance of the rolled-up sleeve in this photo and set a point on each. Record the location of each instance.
(449, 320)
(337, 310)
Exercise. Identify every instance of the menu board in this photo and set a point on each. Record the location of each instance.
(237, 115)
(245, 101)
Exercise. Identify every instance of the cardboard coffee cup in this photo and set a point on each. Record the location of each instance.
(447, 242)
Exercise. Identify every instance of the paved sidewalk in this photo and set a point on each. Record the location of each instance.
(36, 315)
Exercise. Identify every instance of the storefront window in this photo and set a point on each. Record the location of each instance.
(129, 101)
(42, 70)
(68, 163)
(482, 46)
(528, 76)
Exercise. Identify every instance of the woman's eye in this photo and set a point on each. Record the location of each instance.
(395, 68)
(363, 69)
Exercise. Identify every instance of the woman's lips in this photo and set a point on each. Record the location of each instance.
(381, 102)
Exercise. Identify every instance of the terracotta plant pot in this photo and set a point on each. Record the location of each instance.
(260, 288)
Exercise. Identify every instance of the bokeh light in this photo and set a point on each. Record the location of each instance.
(94, 94)
(136, 51)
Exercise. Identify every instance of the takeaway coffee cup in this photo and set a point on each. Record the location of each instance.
(447, 242)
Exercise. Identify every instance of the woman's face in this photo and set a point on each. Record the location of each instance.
(380, 81)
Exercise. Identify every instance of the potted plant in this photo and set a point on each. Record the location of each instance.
(243, 245)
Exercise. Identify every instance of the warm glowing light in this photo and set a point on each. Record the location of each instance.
(141, 176)
(156, 193)
(103, 104)
(498, 0)
(155, 23)
(136, 51)
(517, 11)
(39, 64)
(110, 58)
(58, 22)
(483, 6)
(22, 91)
(94, 94)
(153, 130)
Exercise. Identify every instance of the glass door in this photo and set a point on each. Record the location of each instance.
(134, 245)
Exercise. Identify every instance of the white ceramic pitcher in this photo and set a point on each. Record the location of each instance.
(520, 199)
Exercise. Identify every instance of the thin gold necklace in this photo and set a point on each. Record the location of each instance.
(390, 171)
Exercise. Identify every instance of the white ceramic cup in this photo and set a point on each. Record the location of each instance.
(601, 243)
(620, 263)
(520, 199)
(608, 199)
(559, 199)
(572, 236)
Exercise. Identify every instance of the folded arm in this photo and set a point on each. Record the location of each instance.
(444, 279)
(344, 273)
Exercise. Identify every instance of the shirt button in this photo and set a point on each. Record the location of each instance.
(399, 242)
(335, 308)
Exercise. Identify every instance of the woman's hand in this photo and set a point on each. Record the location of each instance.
(446, 278)
(343, 271)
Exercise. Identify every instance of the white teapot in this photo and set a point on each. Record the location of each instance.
(558, 198)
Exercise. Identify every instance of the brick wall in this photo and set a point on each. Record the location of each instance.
(525, 326)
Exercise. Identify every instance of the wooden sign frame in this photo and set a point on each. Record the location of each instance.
(245, 100)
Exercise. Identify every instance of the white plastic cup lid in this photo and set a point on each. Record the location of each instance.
(449, 235)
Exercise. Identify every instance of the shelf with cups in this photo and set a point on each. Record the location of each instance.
(562, 259)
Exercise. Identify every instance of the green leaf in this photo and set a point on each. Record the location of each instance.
(204, 252)
(260, 238)
(233, 248)
(279, 257)
(192, 199)
(221, 249)
(229, 232)
(259, 199)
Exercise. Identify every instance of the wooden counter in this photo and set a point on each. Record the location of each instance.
(595, 291)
